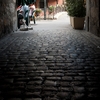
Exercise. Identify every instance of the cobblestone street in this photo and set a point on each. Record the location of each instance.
(51, 62)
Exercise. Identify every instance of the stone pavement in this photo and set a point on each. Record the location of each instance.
(50, 62)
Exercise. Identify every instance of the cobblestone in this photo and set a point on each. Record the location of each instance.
(50, 62)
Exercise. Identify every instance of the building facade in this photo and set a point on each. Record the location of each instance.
(58, 4)
(40, 3)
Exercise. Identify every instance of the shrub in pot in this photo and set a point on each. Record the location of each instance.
(77, 12)
(38, 11)
(51, 9)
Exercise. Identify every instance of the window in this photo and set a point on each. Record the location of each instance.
(42, 3)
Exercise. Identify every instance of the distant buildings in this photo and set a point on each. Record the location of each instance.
(40, 3)
(45, 4)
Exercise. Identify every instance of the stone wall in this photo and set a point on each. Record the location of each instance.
(93, 17)
(8, 16)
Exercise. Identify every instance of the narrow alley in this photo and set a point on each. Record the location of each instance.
(51, 62)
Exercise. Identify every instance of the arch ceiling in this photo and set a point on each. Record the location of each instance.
(21, 2)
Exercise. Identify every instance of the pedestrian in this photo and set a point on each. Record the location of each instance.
(20, 16)
(32, 12)
(18, 8)
(25, 9)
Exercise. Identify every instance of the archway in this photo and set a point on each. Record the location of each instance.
(21, 2)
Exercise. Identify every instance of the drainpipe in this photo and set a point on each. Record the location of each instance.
(45, 9)
(56, 6)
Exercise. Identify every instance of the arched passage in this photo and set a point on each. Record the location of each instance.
(8, 15)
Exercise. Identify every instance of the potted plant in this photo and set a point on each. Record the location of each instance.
(50, 9)
(77, 12)
(38, 11)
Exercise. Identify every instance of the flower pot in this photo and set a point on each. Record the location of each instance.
(77, 22)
